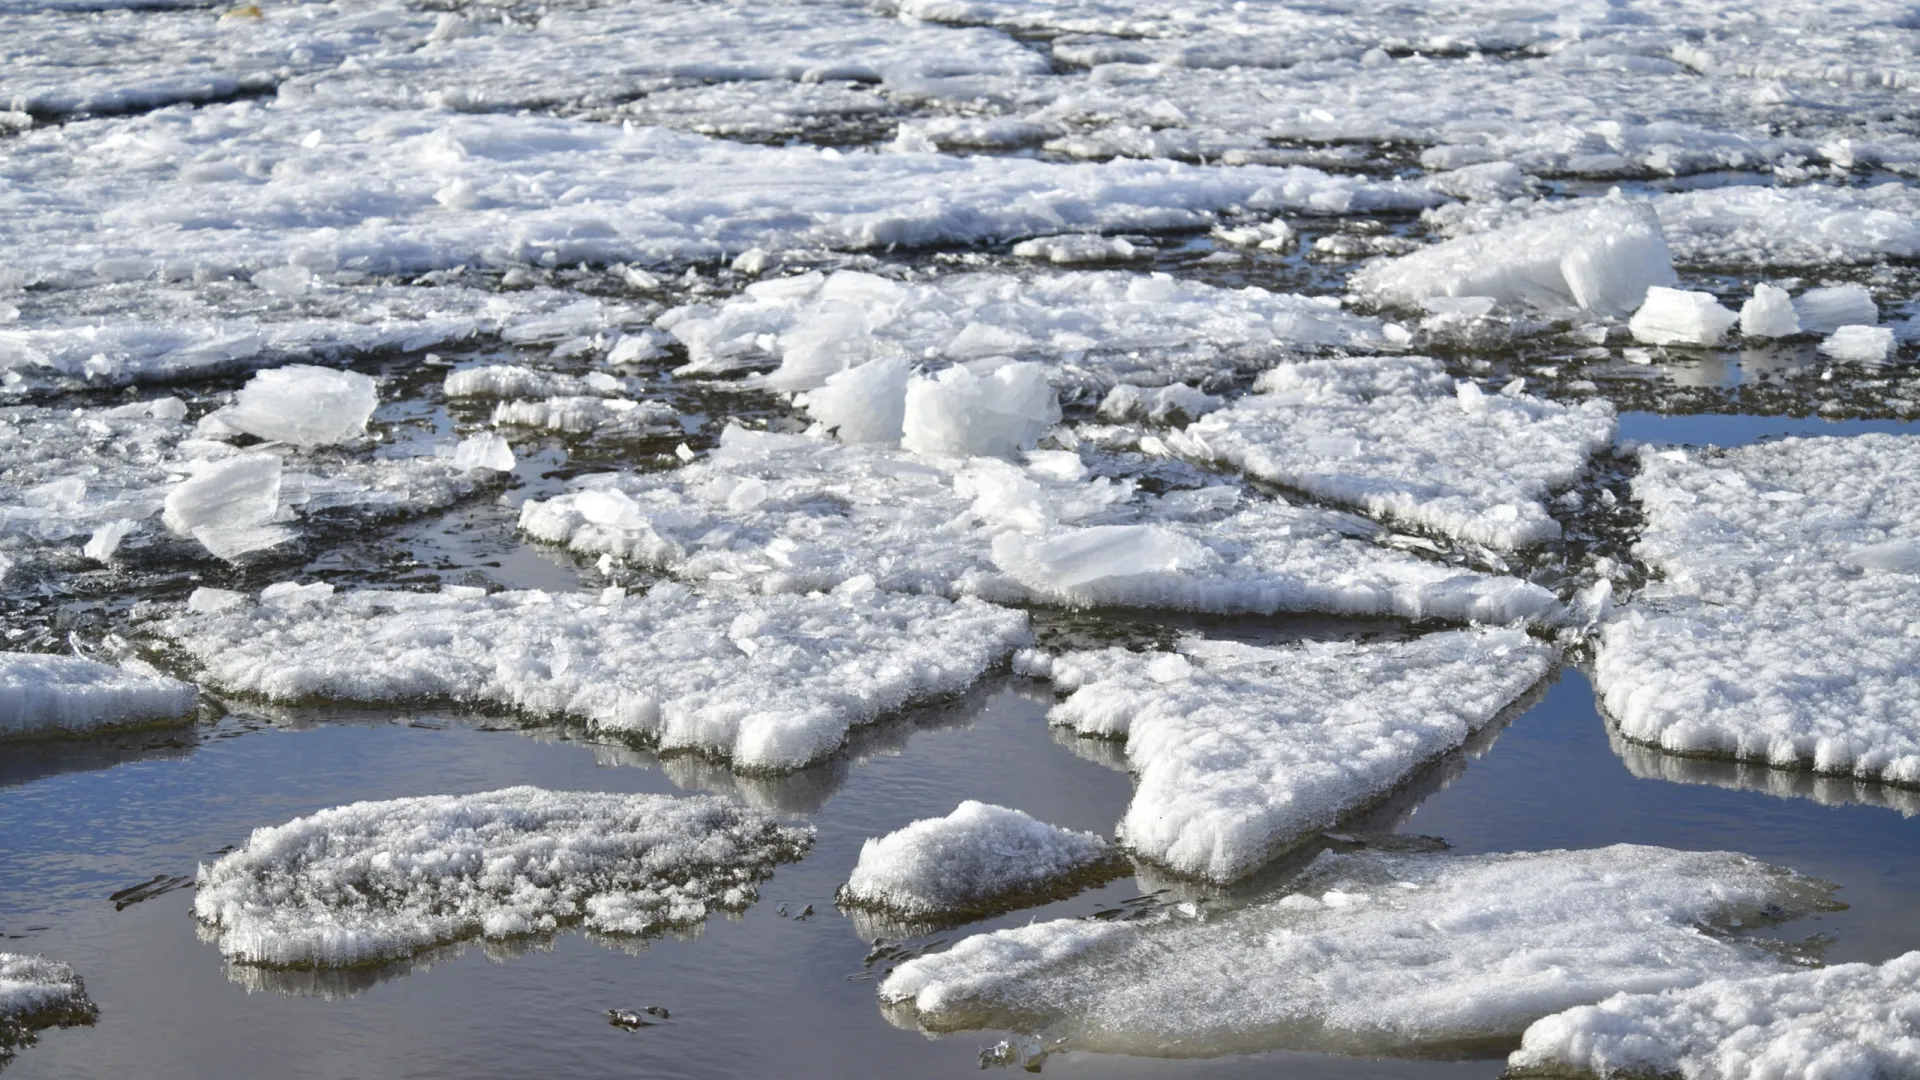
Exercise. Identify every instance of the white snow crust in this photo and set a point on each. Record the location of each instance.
(1853, 1020)
(380, 881)
(69, 695)
(1369, 954)
(1781, 631)
(1396, 438)
(768, 683)
(976, 858)
(1240, 752)
(786, 513)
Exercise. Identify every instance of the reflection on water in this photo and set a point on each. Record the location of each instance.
(1652, 763)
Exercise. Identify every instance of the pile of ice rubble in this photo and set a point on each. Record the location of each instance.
(38, 993)
(105, 473)
(380, 881)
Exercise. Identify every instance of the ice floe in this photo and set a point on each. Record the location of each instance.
(1399, 439)
(787, 513)
(42, 695)
(976, 859)
(1779, 633)
(1240, 752)
(154, 331)
(1093, 328)
(1852, 1020)
(380, 881)
(1369, 954)
(765, 682)
(303, 405)
(389, 192)
(37, 993)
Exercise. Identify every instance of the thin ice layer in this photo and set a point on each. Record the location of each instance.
(1780, 633)
(787, 513)
(1370, 954)
(376, 881)
(35, 993)
(767, 682)
(1397, 438)
(976, 858)
(71, 695)
(1599, 258)
(1854, 1020)
(1240, 752)
(405, 192)
(1092, 328)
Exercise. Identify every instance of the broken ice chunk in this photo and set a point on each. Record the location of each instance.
(977, 859)
(1769, 314)
(998, 414)
(1601, 258)
(864, 404)
(1061, 250)
(1679, 317)
(1369, 954)
(590, 415)
(304, 405)
(1860, 344)
(380, 881)
(106, 539)
(483, 450)
(1241, 752)
(1822, 311)
(229, 505)
(69, 695)
(1853, 1020)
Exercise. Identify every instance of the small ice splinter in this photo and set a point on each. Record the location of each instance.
(633, 1021)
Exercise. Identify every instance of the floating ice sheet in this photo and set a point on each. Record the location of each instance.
(1780, 633)
(145, 331)
(1854, 1020)
(35, 993)
(787, 513)
(1369, 954)
(766, 682)
(975, 859)
(1093, 328)
(388, 192)
(44, 695)
(380, 881)
(1397, 438)
(1240, 752)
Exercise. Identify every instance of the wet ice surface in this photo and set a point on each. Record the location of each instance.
(581, 338)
